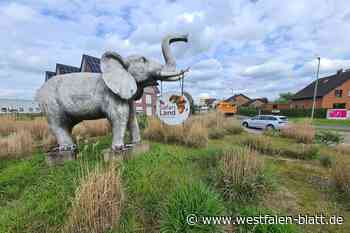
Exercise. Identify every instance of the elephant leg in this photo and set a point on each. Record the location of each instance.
(118, 116)
(62, 133)
(133, 125)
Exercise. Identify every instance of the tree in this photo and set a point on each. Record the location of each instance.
(284, 97)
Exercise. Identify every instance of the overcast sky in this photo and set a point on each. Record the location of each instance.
(256, 47)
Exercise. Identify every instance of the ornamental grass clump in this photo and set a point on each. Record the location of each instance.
(98, 202)
(341, 173)
(242, 174)
(191, 200)
(301, 132)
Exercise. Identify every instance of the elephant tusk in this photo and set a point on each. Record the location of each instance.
(171, 75)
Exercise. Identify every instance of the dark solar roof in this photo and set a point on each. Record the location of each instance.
(325, 85)
(65, 69)
(92, 64)
(49, 74)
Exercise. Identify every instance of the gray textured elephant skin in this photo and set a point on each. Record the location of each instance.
(71, 98)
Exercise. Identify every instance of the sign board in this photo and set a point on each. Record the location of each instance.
(173, 108)
(338, 114)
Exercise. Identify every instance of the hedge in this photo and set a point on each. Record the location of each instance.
(319, 113)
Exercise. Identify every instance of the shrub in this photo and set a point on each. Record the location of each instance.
(195, 199)
(326, 160)
(217, 133)
(329, 137)
(260, 143)
(142, 120)
(98, 202)
(304, 132)
(242, 174)
(341, 174)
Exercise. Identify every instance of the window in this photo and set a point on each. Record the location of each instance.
(148, 99)
(349, 94)
(338, 93)
(3, 109)
(30, 109)
(21, 109)
(149, 110)
(339, 105)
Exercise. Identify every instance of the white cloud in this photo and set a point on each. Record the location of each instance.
(259, 48)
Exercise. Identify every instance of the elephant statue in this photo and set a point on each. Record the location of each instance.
(68, 99)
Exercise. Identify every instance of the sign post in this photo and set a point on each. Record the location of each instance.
(173, 108)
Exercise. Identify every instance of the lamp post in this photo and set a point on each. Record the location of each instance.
(315, 89)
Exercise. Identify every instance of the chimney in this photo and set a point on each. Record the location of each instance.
(339, 72)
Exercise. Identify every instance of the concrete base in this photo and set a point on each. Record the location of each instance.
(54, 158)
(130, 152)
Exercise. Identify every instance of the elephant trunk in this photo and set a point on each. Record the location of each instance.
(169, 72)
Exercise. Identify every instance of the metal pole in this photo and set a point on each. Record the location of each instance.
(315, 90)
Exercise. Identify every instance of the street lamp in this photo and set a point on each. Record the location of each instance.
(315, 89)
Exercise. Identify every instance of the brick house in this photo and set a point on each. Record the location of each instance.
(147, 104)
(238, 99)
(256, 103)
(332, 92)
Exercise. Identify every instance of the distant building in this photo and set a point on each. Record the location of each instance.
(238, 99)
(18, 106)
(256, 103)
(147, 104)
(332, 92)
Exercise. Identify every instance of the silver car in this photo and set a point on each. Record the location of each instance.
(266, 122)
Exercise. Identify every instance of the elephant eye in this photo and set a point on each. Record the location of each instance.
(143, 59)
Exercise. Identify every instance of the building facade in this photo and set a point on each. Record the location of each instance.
(146, 105)
(19, 106)
(332, 92)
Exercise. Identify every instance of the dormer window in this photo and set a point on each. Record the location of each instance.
(338, 93)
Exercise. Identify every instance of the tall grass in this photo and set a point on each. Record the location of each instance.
(302, 132)
(21, 137)
(241, 174)
(98, 202)
(195, 199)
(195, 131)
(341, 173)
(19, 143)
(190, 134)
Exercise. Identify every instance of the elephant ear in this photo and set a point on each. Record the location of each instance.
(116, 76)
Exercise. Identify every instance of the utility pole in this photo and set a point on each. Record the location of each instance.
(315, 90)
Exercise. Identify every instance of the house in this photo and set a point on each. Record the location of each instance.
(271, 107)
(147, 104)
(18, 106)
(256, 103)
(332, 92)
(238, 99)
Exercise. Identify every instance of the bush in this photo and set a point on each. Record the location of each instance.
(189, 199)
(142, 120)
(304, 133)
(217, 133)
(329, 137)
(98, 202)
(326, 160)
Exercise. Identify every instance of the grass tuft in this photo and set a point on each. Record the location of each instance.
(98, 202)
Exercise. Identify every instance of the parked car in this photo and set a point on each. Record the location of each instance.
(266, 122)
